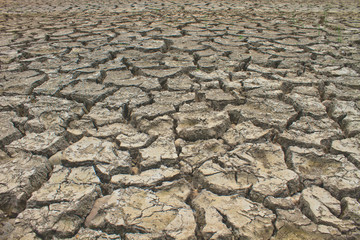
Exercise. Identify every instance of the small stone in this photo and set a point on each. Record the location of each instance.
(56, 158)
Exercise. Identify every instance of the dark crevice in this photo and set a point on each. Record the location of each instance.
(227, 223)
(163, 83)
(199, 213)
(294, 119)
(275, 231)
(126, 112)
(243, 65)
(136, 160)
(286, 156)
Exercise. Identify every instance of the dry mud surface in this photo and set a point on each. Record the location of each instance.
(179, 120)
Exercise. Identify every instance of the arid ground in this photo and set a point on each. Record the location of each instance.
(142, 120)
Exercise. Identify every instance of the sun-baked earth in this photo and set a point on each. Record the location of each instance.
(179, 120)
